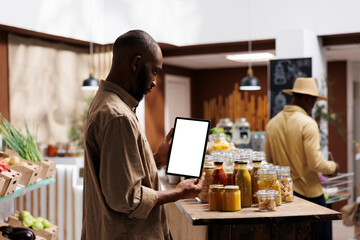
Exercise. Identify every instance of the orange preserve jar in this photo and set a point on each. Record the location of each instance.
(232, 199)
(218, 175)
(254, 179)
(216, 196)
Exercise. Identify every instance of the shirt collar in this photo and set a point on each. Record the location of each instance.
(295, 108)
(122, 93)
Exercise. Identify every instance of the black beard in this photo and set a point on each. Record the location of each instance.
(142, 88)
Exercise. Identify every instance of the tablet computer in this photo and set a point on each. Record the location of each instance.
(188, 147)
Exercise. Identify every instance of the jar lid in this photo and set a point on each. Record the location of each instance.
(242, 162)
(257, 161)
(285, 169)
(216, 186)
(266, 193)
(218, 162)
(231, 187)
(266, 171)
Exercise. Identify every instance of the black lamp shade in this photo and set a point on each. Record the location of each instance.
(250, 83)
(91, 83)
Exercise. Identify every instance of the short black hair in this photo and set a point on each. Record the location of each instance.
(135, 42)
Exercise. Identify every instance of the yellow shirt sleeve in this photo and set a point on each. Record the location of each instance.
(312, 150)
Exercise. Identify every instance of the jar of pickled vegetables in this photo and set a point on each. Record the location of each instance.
(286, 184)
(266, 200)
(254, 178)
(232, 199)
(268, 181)
(204, 194)
(218, 175)
(216, 196)
(243, 180)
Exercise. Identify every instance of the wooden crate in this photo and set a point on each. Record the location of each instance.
(2, 184)
(31, 172)
(12, 179)
(48, 168)
(51, 233)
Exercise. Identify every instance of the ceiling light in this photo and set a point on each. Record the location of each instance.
(254, 57)
(91, 83)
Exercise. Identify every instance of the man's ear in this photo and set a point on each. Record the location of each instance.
(136, 63)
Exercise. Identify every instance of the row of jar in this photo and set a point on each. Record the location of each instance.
(273, 178)
(228, 198)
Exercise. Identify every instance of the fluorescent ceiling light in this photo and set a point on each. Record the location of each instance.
(254, 57)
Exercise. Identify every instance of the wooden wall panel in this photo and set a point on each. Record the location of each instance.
(209, 84)
(337, 102)
(4, 76)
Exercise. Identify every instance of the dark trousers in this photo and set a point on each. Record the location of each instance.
(324, 227)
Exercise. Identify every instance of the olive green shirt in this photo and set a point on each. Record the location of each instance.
(292, 139)
(120, 174)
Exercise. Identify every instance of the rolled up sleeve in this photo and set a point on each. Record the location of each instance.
(313, 153)
(122, 171)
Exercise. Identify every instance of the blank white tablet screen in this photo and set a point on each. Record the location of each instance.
(188, 147)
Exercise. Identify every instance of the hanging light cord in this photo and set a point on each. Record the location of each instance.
(250, 44)
(91, 56)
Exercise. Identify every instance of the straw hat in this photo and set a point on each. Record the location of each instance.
(305, 86)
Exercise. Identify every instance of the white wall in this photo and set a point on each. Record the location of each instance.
(181, 22)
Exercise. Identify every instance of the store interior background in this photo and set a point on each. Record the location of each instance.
(44, 56)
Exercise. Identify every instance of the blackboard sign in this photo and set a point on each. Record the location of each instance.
(283, 73)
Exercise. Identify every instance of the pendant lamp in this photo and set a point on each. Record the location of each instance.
(91, 83)
(250, 83)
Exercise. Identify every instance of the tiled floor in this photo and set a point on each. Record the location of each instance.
(342, 232)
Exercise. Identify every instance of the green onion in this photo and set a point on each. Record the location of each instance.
(26, 147)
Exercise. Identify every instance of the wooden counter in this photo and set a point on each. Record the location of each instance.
(190, 219)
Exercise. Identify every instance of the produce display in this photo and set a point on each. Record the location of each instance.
(17, 233)
(3, 165)
(26, 147)
(14, 161)
(29, 221)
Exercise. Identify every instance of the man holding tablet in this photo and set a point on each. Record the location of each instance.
(122, 197)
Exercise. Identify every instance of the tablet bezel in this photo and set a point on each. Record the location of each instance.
(204, 150)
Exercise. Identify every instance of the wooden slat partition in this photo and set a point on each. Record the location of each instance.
(236, 105)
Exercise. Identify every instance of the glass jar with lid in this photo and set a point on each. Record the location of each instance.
(216, 196)
(241, 132)
(218, 175)
(232, 199)
(243, 180)
(286, 183)
(226, 125)
(204, 194)
(268, 181)
(267, 200)
(220, 142)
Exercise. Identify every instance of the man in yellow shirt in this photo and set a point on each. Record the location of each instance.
(292, 139)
